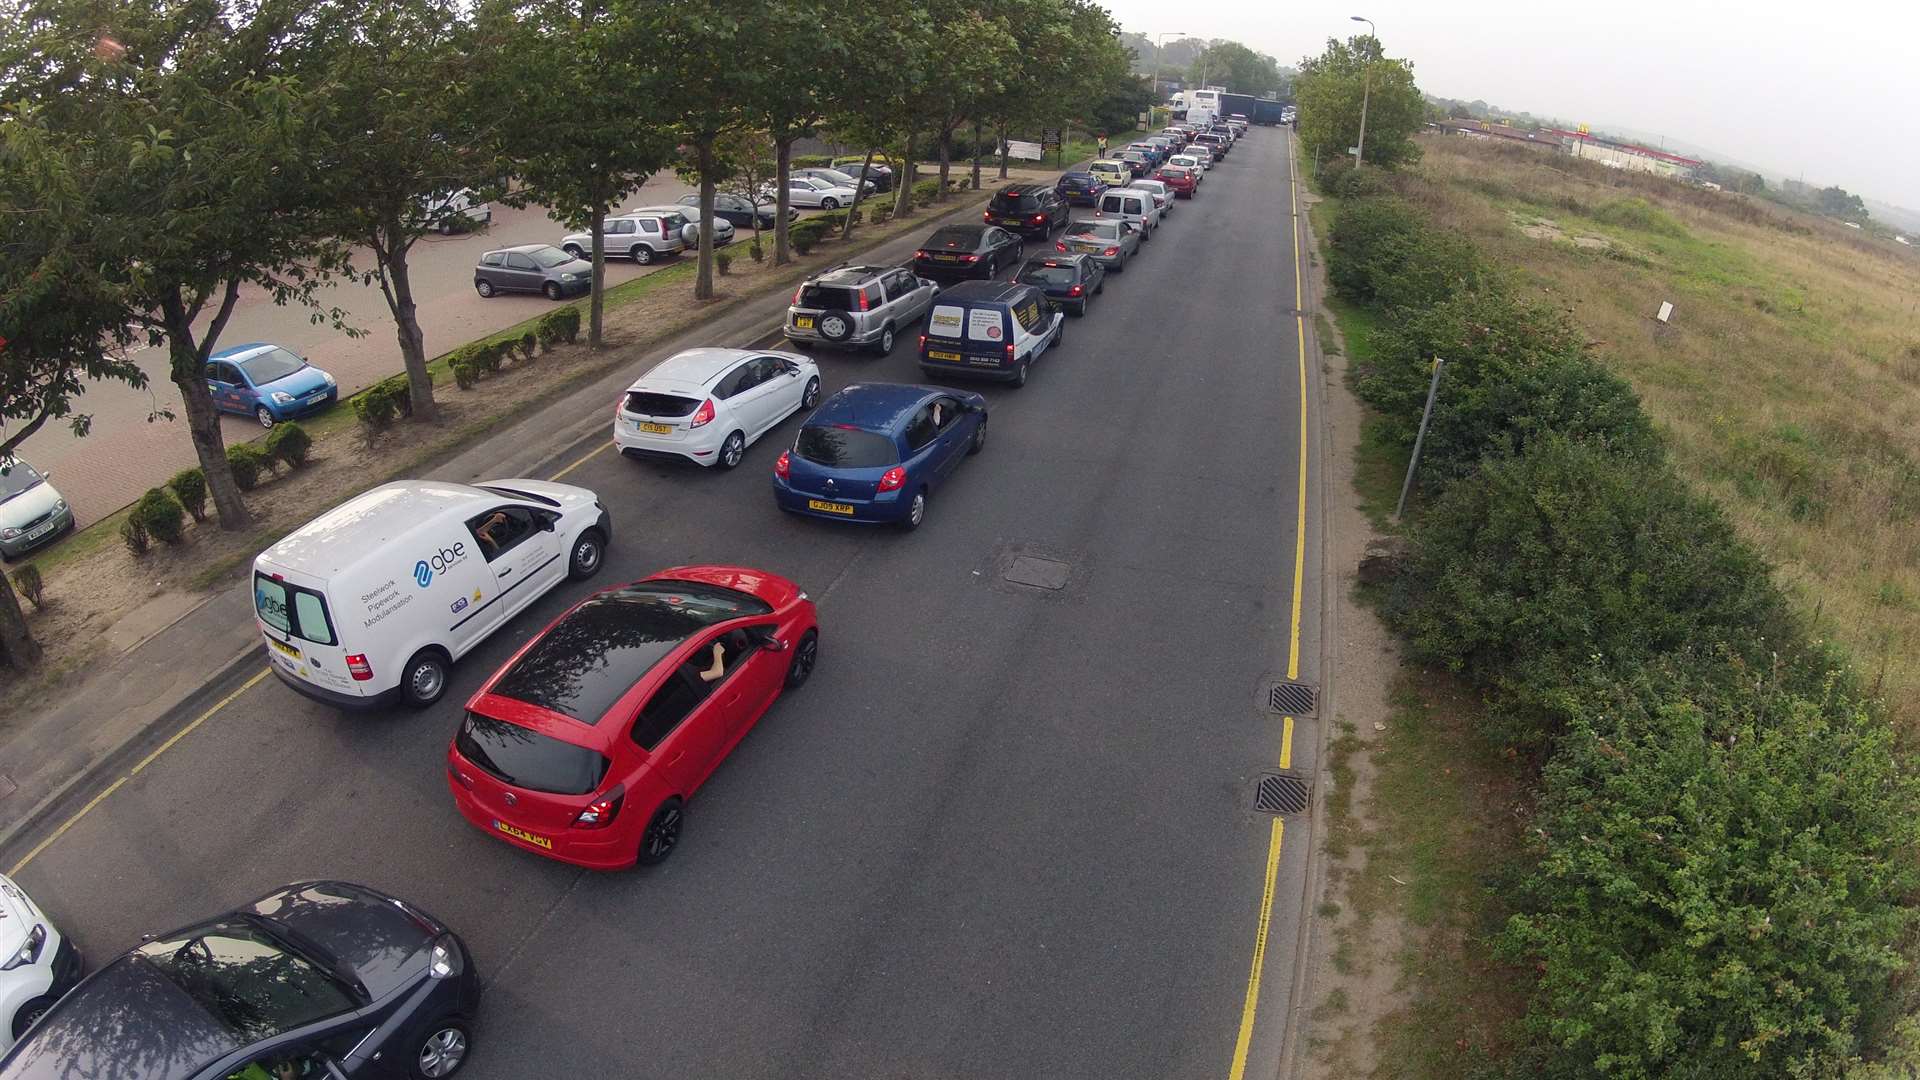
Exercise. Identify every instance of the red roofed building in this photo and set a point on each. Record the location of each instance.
(1619, 155)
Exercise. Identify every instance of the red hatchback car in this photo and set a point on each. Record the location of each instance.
(586, 746)
(1180, 178)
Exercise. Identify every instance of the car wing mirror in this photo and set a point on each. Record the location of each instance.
(769, 640)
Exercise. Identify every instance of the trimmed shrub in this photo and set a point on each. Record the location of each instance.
(925, 191)
(880, 214)
(289, 443)
(160, 516)
(723, 262)
(560, 324)
(810, 161)
(247, 461)
(190, 487)
(384, 402)
(756, 252)
(465, 372)
(529, 344)
(804, 235)
(26, 582)
(488, 355)
(134, 535)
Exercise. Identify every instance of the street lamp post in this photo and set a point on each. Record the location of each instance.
(1158, 47)
(1366, 91)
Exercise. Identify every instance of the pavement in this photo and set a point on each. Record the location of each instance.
(1002, 832)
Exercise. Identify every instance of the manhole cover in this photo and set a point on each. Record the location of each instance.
(1292, 698)
(1280, 794)
(1037, 572)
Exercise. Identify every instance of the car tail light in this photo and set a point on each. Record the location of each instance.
(1009, 352)
(1075, 291)
(893, 479)
(986, 216)
(923, 253)
(600, 812)
(666, 228)
(864, 302)
(782, 465)
(1060, 246)
(923, 341)
(797, 292)
(1038, 218)
(703, 415)
(973, 258)
(358, 667)
(1112, 251)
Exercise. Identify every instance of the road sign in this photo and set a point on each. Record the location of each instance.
(1050, 138)
(1023, 151)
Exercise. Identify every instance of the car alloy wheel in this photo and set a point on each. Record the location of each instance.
(424, 679)
(443, 1052)
(31, 1013)
(1020, 374)
(979, 440)
(642, 254)
(811, 395)
(829, 204)
(587, 553)
(264, 415)
(484, 288)
(552, 290)
(886, 341)
(575, 250)
(663, 833)
(733, 450)
(916, 511)
(805, 655)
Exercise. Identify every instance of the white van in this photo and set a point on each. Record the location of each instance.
(1132, 205)
(374, 599)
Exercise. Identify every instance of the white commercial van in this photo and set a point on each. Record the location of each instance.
(374, 599)
(1132, 205)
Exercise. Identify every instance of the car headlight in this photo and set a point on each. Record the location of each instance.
(569, 277)
(281, 397)
(9, 533)
(59, 505)
(444, 960)
(29, 950)
(331, 381)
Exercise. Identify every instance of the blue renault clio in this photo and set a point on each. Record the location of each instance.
(268, 383)
(875, 452)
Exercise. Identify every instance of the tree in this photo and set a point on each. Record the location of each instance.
(1840, 203)
(701, 44)
(1238, 68)
(1067, 55)
(809, 45)
(1330, 89)
(957, 82)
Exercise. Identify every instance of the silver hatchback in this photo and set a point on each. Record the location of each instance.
(858, 307)
(540, 268)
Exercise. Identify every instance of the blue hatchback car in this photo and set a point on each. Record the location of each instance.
(268, 383)
(875, 452)
(1080, 188)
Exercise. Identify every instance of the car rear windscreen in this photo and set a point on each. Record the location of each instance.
(827, 297)
(964, 239)
(1049, 275)
(1006, 202)
(527, 759)
(840, 447)
(647, 403)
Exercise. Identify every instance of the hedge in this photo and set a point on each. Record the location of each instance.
(288, 443)
(190, 487)
(560, 324)
(384, 402)
(247, 462)
(160, 516)
(1382, 249)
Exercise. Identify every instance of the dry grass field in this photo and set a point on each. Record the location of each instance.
(1787, 384)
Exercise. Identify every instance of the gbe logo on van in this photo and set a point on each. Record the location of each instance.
(424, 570)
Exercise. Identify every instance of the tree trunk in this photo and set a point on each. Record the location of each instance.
(903, 197)
(1003, 150)
(946, 163)
(859, 193)
(703, 278)
(978, 135)
(406, 322)
(18, 650)
(782, 166)
(597, 303)
(187, 361)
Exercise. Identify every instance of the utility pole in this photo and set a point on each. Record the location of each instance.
(1366, 92)
(1413, 462)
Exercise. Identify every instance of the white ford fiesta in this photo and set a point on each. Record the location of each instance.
(708, 405)
(37, 964)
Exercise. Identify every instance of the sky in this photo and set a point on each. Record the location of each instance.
(1828, 90)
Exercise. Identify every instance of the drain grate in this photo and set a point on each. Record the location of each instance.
(1292, 698)
(1279, 793)
(1038, 573)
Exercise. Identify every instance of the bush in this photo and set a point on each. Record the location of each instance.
(465, 372)
(160, 516)
(1330, 174)
(382, 403)
(560, 324)
(1367, 243)
(756, 252)
(134, 535)
(488, 354)
(723, 262)
(26, 581)
(880, 213)
(925, 191)
(190, 487)
(803, 235)
(1721, 886)
(246, 461)
(810, 161)
(529, 343)
(288, 442)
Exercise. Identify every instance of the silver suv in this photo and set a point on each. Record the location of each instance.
(858, 306)
(640, 237)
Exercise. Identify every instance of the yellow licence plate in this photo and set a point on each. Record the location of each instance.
(283, 647)
(655, 429)
(803, 322)
(936, 354)
(522, 834)
(947, 258)
(830, 507)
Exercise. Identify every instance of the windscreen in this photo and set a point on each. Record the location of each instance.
(271, 366)
(647, 403)
(1049, 275)
(549, 256)
(840, 447)
(1105, 230)
(248, 980)
(950, 237)
(827, 297)
(16, 477)
(527, 759)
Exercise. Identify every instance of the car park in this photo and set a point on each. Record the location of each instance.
(1028, 209)
(815, 192)
(1139, 163)
(1080, 188)
(1112, 172)
(1071, 281)
(858, 307)
(1114, 243)
(1182, 180)
(875, 453)
(879, 170)
(990, 330)
(640, 237)
(455, 211)
(37, 963)
(967, 251)
(723, 232)
(317, 980)
(1131, 205)
(32, 512)
(708, 405)
(586, 746)
(834, 177)
(738, 210)
(374, 600)
(1161, 192)
(267, 382)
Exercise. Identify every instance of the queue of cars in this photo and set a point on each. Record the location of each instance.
(587, 743)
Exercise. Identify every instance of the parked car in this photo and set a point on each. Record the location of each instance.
(1070, 281)
(448, 210)
(32, 512)
(640, 237)
(876, 452)
(268, 383)
(708, 405)
(879, 170)
(835, 178)
(1113, 243)
(812, 191)
(37, 964)
(1112, 172)
(1080, 188)
(587, 744)
(722, 232)
(858, 307)
(1162, 194)
(738, 210)
(1131, 205)
(967, 251)
(323, 978)
(540, 268)
(1184, 181)
(375, 599)
(1028, 209)
(990, 329)
(1138, 162)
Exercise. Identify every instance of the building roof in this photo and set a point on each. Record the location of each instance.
(1629, 148)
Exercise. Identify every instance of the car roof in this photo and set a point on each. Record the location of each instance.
(127, 1019)
(522, 249)
(1079, 258)
(849, 275)
(241, 352)
(874, 406)
(698, 366)
(982, 292)
(387, 512)
(1023, 189)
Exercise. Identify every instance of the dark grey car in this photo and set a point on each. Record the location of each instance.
(334, 980)
(540, 268)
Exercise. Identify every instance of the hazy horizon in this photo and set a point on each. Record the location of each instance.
(1735, 81)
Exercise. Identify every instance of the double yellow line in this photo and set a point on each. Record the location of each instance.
(1277, 835)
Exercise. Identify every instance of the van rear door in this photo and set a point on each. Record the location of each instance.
(302, 635)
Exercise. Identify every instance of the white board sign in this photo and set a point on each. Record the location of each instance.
(983, 324)
(1666, 311)
(1023, 151)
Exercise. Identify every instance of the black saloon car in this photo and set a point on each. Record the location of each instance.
(316, 980)
(1068, 280)
(967, 251)
(1028, 209)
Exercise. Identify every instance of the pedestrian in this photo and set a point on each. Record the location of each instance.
(1103, 144)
